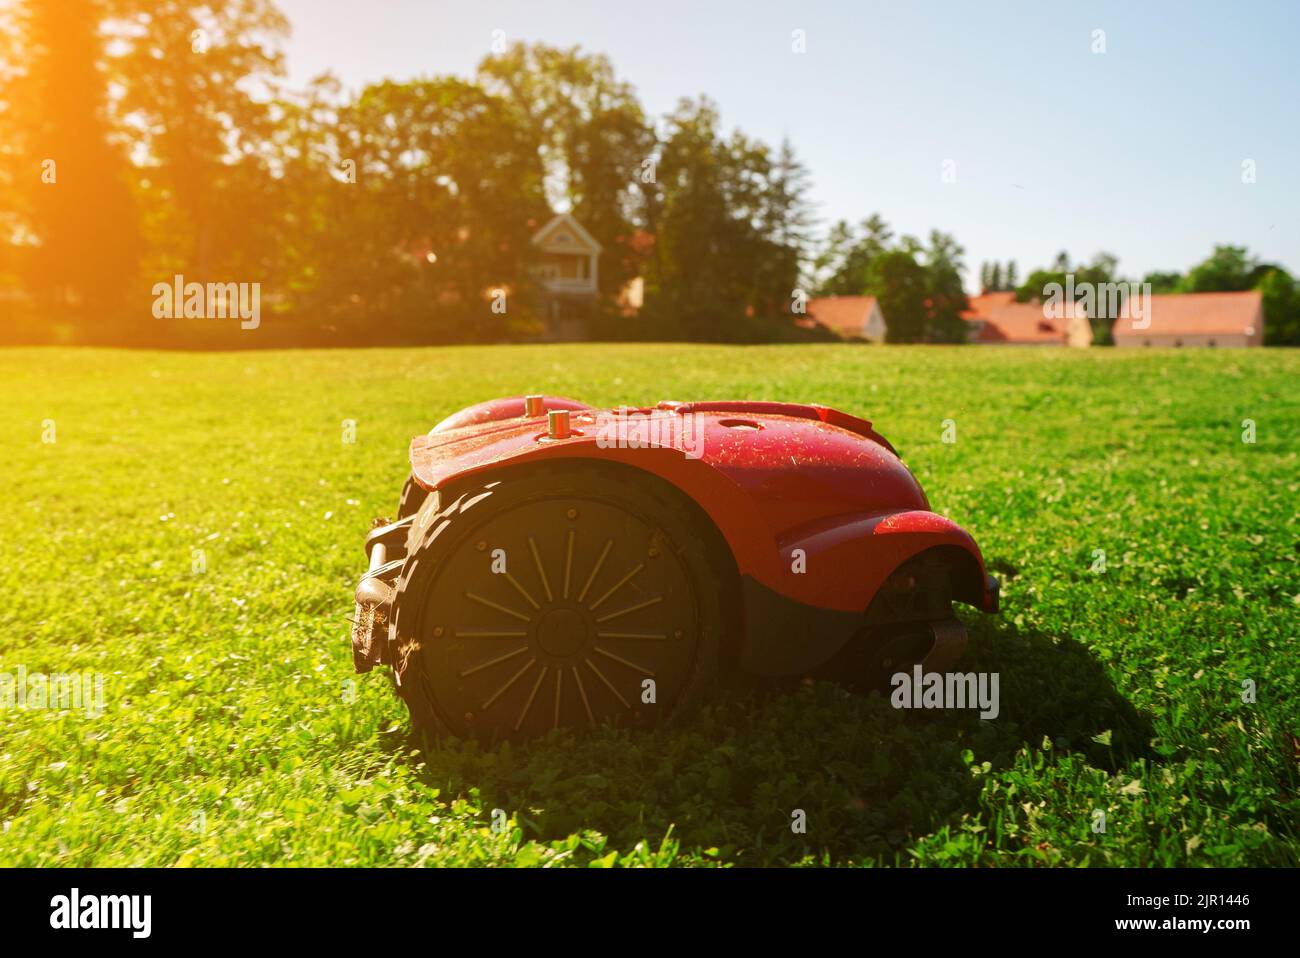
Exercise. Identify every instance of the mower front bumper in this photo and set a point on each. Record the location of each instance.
(785, 637)
(386, 551)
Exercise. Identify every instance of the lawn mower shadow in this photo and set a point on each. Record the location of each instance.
(865, 779)
(1055, 687)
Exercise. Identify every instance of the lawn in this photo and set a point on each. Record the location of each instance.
(194, 533)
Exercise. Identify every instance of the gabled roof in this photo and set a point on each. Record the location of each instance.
(846, 315)
(998, 318)
(1185, 314)
(981, 304)
(547, 232)
(1024, 323)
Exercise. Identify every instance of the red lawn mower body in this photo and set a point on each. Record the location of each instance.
(815, 508)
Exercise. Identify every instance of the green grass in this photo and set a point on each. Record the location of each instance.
(233, 737)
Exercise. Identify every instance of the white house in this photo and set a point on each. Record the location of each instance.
(568, 267)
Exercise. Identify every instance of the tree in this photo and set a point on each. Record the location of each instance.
(596, 145)
(787, 220)
(1163, 282)
(1232, 269)
(900, 286)
(313, 180)
(1227, 269)
(1280, 295)
(690, 290)
(730, 217)
(447, 195)
(945, 293)
(847, 253)
(190, 72)
(75, 220)
(1011, 276)
(995, 277)
(922, 302)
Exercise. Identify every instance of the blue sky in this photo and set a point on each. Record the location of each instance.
(1137, 151)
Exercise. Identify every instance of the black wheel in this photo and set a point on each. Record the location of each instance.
(413, 496)
(562, 595)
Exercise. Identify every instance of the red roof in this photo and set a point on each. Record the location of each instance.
(1022, 323)
(981, 305)
(846, 315)
(1193, 314)
(998, 318)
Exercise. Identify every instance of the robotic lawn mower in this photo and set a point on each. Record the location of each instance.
(558, 565)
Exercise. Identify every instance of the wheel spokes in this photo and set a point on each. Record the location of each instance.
(509, 682)
(591, 719)
(531, 696)
(569, 621)
(537, 560)
(622, 661)
(568, 564)
(596, 569)
(521, 590)
(498, 606)
(491, 662)
(608, 684)
(631, 608)
(616, 586)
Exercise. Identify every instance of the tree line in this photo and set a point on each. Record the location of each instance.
(141, 140)
(145, 139)
(1228, 269)
(918, 285)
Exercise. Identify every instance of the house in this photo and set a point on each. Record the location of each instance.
(1196, 319)
(995, 318)
(569, 256)
(568, 264)
(852, 317)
